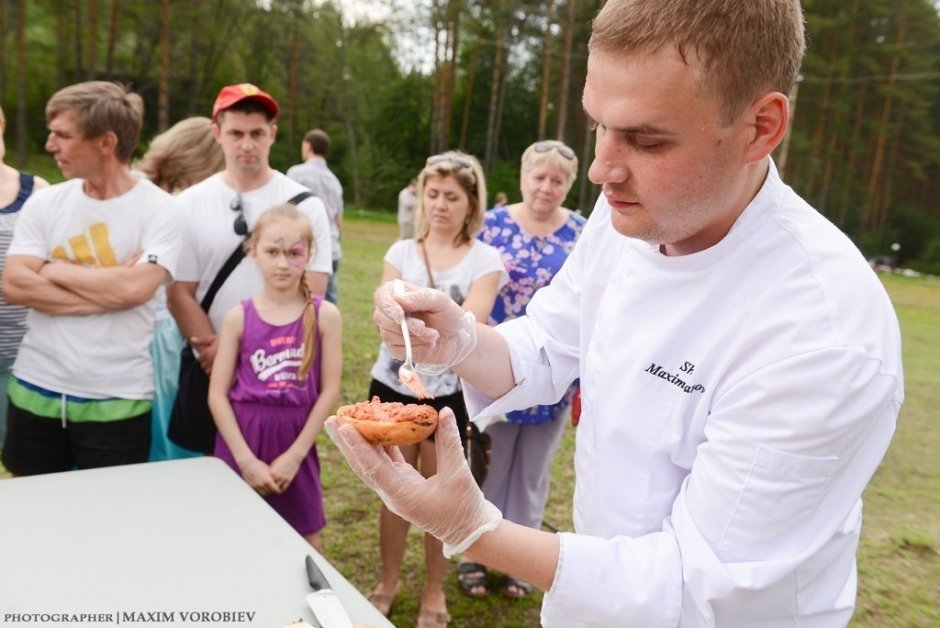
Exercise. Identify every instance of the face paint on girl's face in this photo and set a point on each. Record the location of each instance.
(296, 254)
(282, 251)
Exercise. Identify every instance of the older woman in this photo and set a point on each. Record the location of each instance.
(445, 255)
(15, 188)
(534, 237)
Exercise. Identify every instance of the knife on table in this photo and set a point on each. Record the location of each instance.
(324, 603)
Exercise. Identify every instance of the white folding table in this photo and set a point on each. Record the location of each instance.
(181, 542)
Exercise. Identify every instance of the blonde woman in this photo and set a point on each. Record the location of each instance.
(444, 254)
(182, 156)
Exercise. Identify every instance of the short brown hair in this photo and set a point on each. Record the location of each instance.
(183, 155)
(318, 141)
(101, 107)
(746, 47)
(466, 171)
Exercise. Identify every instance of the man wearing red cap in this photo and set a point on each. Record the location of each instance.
(220, 212)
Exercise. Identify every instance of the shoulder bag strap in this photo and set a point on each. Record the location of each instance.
(226, 270)
(236, 257)
(427, 264)
(300, 198)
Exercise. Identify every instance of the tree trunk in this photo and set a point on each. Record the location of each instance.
(450, 74)
(91, 68)
(22, 136)
(112, 38)
(565, 72)
(468, 100)
(887, 188)
(3, 49)
(163, 83)
(195, 59)
(496, 83)
(61, 48)
(546, 69)
(836, 132)
(437, 25)
(850, 172)
(293, 71)
(822, 122)
(349, 120)
(79, 69)
(873, 209)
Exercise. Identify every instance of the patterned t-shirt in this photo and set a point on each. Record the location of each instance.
(531, 262)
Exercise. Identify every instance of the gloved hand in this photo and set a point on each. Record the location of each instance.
(449, 505)
(442, 334)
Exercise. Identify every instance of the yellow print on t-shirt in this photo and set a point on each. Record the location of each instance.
(89, 249)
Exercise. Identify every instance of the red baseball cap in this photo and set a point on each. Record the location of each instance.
(232, 94)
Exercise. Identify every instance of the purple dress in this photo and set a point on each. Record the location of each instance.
(272, 406)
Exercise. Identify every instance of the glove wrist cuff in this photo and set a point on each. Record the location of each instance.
(492, 518)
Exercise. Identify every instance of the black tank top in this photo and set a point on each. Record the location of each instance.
(26, 188)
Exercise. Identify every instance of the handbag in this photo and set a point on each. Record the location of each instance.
(191, 424)
(476, 443)
(477, 452)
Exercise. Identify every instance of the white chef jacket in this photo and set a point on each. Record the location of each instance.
(735, 403)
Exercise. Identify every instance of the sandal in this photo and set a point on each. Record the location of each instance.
(383, 601)
(516, 588)
(472, 579)
(433, 619)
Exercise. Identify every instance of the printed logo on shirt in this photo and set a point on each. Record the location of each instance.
(89, 248)
(278, 369)
(674, 378)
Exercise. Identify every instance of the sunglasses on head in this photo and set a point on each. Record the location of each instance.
(240, 226)
(456, 160)
(547, 145)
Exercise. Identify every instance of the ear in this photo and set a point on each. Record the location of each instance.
(107, 143)
(770, 117)
(273, 131)
(216, 131)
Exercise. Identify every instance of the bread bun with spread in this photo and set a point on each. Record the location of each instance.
(390, 423)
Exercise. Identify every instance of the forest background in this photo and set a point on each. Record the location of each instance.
(410, 78)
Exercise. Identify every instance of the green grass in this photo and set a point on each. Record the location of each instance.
(899, 556)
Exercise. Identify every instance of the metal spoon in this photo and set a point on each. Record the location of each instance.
(406, 372)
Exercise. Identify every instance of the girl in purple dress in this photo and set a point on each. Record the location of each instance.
(276, 375)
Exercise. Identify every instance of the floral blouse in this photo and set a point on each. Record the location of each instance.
(531, 262)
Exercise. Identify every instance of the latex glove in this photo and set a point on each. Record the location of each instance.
(448, 505)
(442, 334)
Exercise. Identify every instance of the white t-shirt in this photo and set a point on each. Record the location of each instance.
(210, 237)
(102, 355)
(405, 255)
(735, 403)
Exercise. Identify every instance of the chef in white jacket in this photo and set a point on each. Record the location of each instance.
(740, 363)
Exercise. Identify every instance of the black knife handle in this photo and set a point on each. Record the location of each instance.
(317, 580)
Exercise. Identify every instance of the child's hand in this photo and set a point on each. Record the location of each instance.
(284, 469)
(259, 477)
